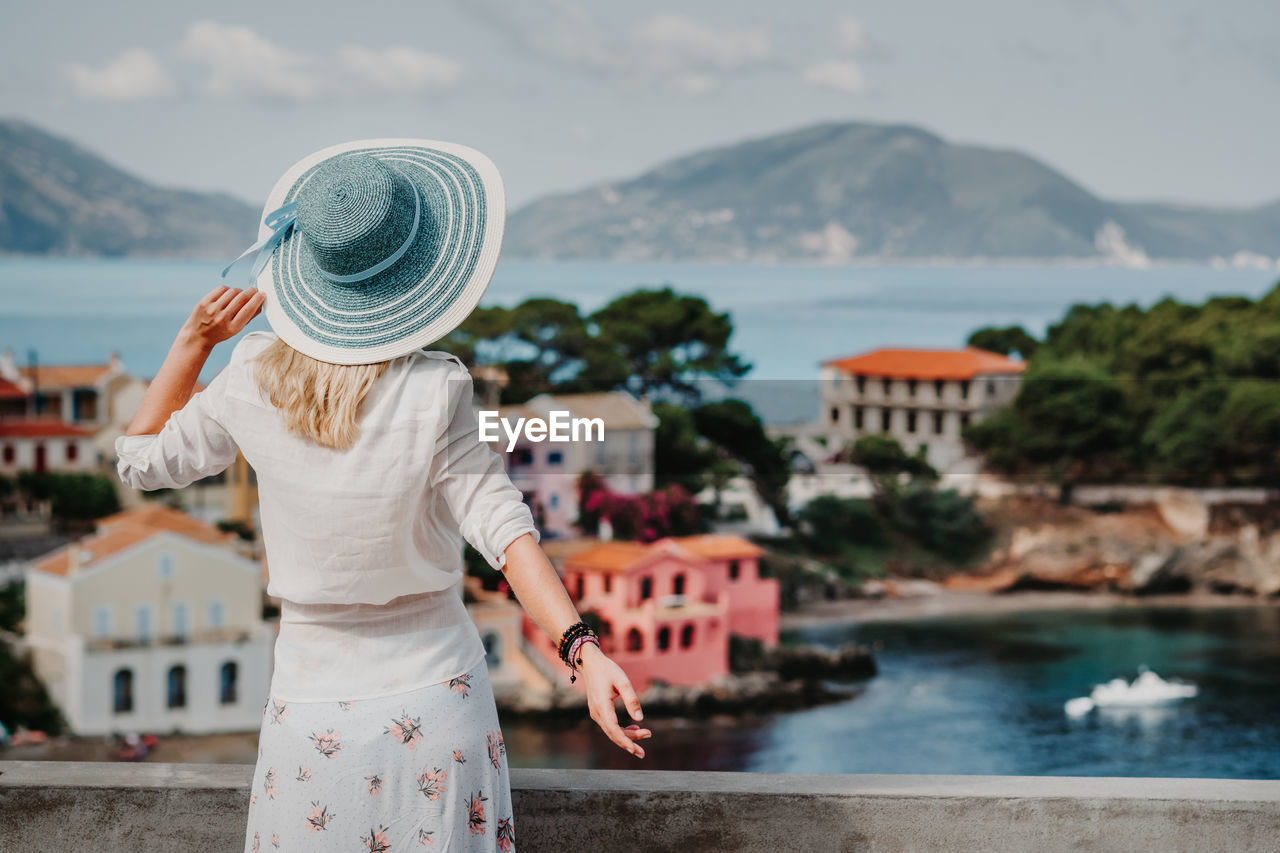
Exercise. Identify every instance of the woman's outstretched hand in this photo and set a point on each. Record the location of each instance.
(220, 314)
(603, 680)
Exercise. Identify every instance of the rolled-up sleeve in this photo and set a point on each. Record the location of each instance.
(193, 443)
(490, 511)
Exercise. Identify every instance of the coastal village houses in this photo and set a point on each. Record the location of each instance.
(921, 397)
(152, 623)
(547, 472)
(667, 608)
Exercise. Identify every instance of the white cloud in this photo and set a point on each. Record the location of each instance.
(134, 75)
(668, 50)
(240, 62)
(851, 35)
(683, 45)
(402, 69)
(837, 74)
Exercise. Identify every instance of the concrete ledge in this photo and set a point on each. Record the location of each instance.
(104, 807)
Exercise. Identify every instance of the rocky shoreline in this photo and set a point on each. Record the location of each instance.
(781, 679)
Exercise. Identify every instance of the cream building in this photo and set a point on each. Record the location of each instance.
(153, 624)
(921, 397)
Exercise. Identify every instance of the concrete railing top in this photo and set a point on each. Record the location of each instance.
(141, 807)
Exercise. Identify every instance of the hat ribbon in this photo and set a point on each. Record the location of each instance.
(282, 219)
(279, 221)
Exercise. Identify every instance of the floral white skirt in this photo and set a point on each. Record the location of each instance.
(423, 769)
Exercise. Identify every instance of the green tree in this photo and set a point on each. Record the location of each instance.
(661, 341)
(732, 426)
(1005, 340)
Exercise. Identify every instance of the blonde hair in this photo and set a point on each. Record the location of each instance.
(318, 400)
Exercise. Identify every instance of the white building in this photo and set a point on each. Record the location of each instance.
(45, 444)
(152, 624)
(921, 397)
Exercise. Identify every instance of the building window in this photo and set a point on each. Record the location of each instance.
(102, 620)
(646, 589)
(938, 386)
(492, 649)
(964, 389)
(835, 414)
(72, 449)
(635, 643)
(886, 420)
(608, 584)
(524, 456)
(180, 620)
(886, 385)
(555, 501)
(677, 584)
(686, 636)
(964, 420)
(164, 566)
(216, 614)
(857, 417)
(9, 454)
(938, 423)
(733, 570)
(862, 384)
(991, 388)
(664, 638)
(228, 683)
(911, 420)
(578, 585)
(143, 618)
(178, 687)
(122, 691)
(555, 457)
(911, 387)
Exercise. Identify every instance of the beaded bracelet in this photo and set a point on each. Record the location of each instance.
(577, 629)
(574, 660)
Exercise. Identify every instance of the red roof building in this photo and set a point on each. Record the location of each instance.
(923, 398)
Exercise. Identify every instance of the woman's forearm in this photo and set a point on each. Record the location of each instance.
(172, 386)
(221, 313)
(538, 587)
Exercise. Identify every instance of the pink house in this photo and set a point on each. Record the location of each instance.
(667, 608)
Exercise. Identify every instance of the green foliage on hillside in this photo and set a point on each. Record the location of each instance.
(1176, 393)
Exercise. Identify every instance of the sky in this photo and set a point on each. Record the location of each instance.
(1168, 100)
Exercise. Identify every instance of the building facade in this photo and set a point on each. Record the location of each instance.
(921, 397)
(667, 608)
(45, 444)
(547, 472)
(152, 624)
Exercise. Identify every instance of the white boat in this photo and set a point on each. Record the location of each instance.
(1148, 690)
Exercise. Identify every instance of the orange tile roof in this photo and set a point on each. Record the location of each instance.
(10, 391)
(622, 556)
(965, 363)
(55, 377)
(42, 427)
(719, 546)
(125, 529)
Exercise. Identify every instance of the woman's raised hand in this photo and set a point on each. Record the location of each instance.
(221, 313)
(603, 680)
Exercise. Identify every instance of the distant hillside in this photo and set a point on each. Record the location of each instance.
(59, 199)
(839, 192)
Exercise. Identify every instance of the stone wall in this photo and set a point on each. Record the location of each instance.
(109, 807)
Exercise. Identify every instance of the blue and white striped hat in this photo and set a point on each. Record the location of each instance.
(372, 249)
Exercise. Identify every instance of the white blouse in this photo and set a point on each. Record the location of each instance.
(363, 545)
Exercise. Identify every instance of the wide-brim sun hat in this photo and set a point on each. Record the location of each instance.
(372, 249)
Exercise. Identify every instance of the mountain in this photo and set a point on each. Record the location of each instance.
(56, 198)
(849, 191)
